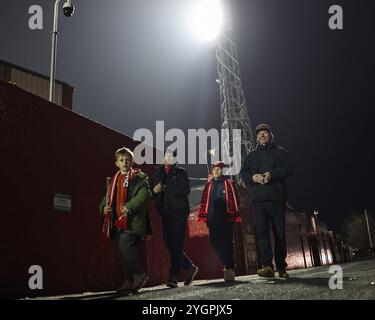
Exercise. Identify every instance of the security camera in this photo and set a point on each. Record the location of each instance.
(68, 8)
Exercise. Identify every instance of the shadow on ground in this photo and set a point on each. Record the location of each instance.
(222, 284)
(113, 295)
(167, 292)
(313, 281)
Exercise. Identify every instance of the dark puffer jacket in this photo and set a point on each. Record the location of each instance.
(175, 198)
(268, 157)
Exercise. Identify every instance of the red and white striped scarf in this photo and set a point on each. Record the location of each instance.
(111, 194)
(233, 211)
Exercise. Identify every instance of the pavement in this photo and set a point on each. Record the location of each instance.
(358, 283)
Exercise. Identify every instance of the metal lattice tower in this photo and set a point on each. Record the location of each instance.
(234, 113)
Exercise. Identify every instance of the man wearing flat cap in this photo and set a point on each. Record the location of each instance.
(264, 172)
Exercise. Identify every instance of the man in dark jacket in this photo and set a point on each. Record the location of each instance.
(171, 190)
(265, 171)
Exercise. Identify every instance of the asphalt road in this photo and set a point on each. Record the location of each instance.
(358, 282)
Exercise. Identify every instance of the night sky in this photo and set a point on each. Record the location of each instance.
(135, 62)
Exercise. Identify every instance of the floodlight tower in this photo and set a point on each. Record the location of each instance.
(234, 112)
(212, 21)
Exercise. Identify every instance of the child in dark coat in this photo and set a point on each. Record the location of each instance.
(220, 210)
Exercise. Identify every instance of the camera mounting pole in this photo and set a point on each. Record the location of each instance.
(69, 4)
(53, 53)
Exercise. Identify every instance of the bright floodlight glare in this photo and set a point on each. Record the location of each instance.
(207, 18)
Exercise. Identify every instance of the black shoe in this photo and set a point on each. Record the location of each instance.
(172, 282)
(191, 274)
(139, 282)
(125, 289)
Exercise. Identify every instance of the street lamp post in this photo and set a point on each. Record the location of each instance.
(368, 230)
(68, 9)
(314, 222)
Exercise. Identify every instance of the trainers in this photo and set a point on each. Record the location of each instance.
(172, 282)
(266, 272)
(283, 274)
(191, 274)
(125, 288)
(229, 274)
(139, 282)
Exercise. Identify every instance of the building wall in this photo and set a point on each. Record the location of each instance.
(199, 249)
(47, 149)
(37, 84)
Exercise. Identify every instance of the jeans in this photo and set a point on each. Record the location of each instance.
(174, 229)
(131, 262)
(265, 213)
(221, 238)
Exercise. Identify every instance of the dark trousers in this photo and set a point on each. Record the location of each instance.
(174, 228)
(131, 262)
(221, 239)
(265, 213)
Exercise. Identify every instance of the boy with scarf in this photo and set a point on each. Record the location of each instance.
(125, 210)
(220, 210)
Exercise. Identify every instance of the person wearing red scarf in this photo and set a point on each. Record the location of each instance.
(220, 210)
(126, 218)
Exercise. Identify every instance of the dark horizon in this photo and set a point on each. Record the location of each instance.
(135, 62)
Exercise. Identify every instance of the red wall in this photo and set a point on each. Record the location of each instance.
(44, 149)
(199, 249)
